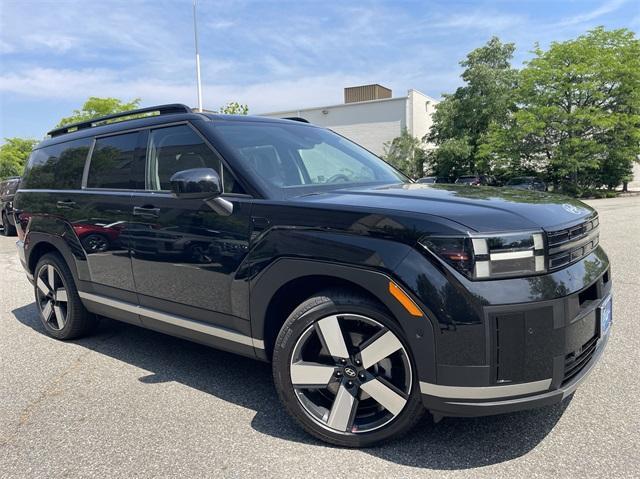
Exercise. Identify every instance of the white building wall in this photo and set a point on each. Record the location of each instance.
(369, 123)
(420, 107)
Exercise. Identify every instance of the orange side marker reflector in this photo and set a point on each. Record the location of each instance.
(404, 300)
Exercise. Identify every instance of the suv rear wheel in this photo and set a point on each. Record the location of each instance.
(343, 371)
(61, 312)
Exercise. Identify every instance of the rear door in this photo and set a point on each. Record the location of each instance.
(187, 259)
(102, 218)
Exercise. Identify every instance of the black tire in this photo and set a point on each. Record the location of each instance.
(299, 329)
(76, 320)
(7, 228)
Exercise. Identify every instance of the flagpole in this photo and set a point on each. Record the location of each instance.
(195, 32)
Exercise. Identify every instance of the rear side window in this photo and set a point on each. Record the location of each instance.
(57, 167)
(117, 162)
(177, 148)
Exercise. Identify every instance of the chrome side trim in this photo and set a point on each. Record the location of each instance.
(175, 320)
(484, 392)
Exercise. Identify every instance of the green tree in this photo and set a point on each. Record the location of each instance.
(462, 120)
(95, 107)
(406, 153)
(13, 156)
(578, 112)
(234, 108)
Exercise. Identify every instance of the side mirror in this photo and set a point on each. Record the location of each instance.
(197, 183)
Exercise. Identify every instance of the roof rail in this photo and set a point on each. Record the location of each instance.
(82, 125)
(296, 118)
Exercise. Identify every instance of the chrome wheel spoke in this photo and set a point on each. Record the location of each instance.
(331, 334)
(47, 311)
(343, 410)
(61, 295)
(382, 347)
(51, 272)
(385, 396)
(311, 374)
(59, 316)
(43, 287)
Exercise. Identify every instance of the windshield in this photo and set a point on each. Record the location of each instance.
(291, 157)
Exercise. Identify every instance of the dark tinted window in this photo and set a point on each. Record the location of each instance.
(179, 148)
(117, 163)
(57, 167)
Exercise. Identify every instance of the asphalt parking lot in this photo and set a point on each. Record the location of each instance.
(133, 403)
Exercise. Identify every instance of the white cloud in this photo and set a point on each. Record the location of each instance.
(480, 21)
(77, 85)
(220, 24)
(57, 42)
(6, 47)
(605, 8)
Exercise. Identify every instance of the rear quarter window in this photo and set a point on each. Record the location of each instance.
(57, 167)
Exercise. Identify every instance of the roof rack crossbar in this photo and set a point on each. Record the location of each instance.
(168, 109)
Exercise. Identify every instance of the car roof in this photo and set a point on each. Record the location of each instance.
(149, 121)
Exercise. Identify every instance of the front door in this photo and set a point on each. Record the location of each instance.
(187, 259)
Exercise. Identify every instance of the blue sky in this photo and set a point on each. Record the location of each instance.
(272, 55)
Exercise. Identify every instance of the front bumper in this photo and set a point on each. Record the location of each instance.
(490, 400)
(538, 355)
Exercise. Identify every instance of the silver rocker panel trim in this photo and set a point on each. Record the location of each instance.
(175, 320)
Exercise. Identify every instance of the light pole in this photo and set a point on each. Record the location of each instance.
(195, 32)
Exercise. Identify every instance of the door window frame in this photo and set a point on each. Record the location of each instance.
(223, 163)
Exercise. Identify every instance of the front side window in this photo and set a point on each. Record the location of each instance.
(289, 157)
(117, 162)
(57, 166)
(177, 148)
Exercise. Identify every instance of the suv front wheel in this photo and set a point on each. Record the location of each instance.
(343, 371)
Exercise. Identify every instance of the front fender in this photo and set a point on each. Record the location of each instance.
(418, 331)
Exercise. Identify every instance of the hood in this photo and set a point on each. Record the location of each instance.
(482, 209)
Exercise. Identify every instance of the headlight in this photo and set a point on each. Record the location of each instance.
(491, 256)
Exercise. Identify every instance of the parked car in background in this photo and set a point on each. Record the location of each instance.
(373, 297)
(527, 183)
(477, 180)
(433, 179)
(8, 190)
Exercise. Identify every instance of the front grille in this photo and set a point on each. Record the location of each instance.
(575, 361)
(572, 244)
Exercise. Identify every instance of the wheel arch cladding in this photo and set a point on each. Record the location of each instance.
(41, 244)
(292, 293)
(267, 288)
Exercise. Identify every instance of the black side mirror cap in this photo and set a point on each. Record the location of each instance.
(196, 183)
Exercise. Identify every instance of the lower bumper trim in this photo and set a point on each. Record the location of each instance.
(486, 392)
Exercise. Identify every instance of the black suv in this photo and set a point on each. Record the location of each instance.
(374, 298)
(8, 190)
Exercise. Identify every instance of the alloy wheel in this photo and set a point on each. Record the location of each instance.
(52, 297)
(350, 373)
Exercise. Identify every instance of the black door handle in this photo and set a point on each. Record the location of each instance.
(65, 204)
(146, 211)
